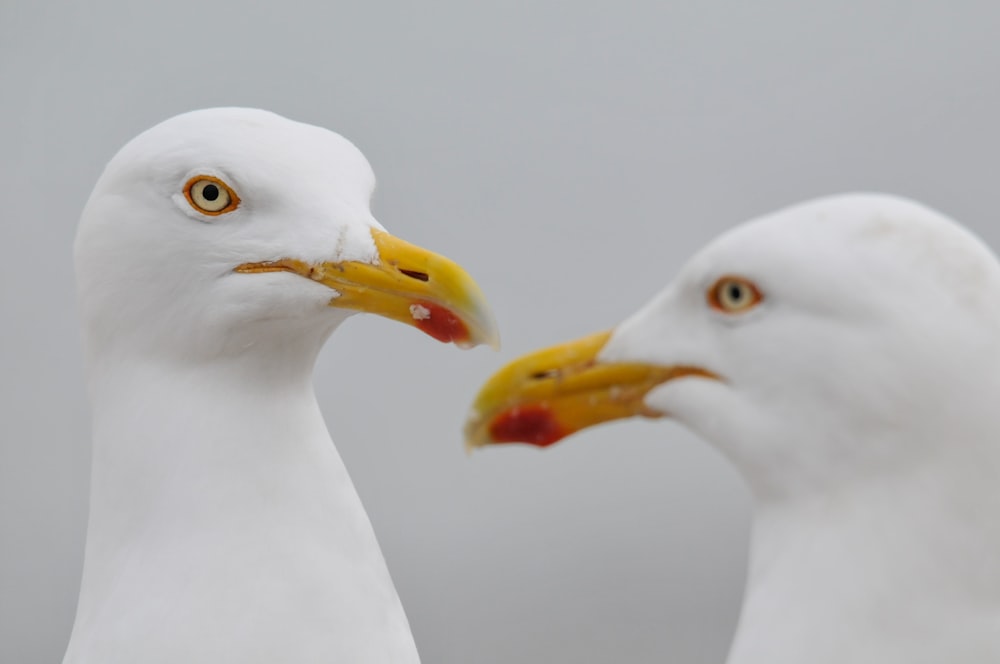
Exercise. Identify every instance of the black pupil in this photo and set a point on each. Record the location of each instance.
(210, 192)
(735, 292)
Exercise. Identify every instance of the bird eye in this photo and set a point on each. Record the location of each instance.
(734, 295)
(210, 195)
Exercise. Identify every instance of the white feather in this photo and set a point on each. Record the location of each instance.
(223, 525)
(860, 403)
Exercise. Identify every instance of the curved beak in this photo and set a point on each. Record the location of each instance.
(542, 397)
(406, 283)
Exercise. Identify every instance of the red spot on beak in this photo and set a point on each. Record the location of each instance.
(527, 424)
(441, 323)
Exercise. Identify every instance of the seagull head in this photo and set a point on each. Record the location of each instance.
(852, 332)
(226, 229)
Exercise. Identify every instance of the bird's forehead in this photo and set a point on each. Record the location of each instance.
(247, 143)
(848, 232)
(850, 250)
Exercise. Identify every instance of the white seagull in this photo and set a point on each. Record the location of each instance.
(844, 354)
(216, 254)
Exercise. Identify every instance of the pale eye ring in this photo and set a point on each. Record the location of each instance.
(210, 195)
(734, 295)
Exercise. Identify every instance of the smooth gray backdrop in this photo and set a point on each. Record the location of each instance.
(570, 155)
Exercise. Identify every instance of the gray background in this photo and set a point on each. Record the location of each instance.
(571, 156)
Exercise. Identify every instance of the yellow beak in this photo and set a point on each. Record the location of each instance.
(544, 396)
(407, 284)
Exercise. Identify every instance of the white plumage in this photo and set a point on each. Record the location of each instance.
(861, 405)
(858, 398)
(223, 525)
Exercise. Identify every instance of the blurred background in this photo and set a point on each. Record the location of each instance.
(571, 155)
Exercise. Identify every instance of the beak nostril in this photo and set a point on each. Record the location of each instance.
(413, 274)
(548, 373)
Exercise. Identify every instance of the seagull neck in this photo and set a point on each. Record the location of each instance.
(189, 454)
(894, 570)
(221, 514)
(161, 427)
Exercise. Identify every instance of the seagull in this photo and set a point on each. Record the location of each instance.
(217, 253)
(844, 355)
